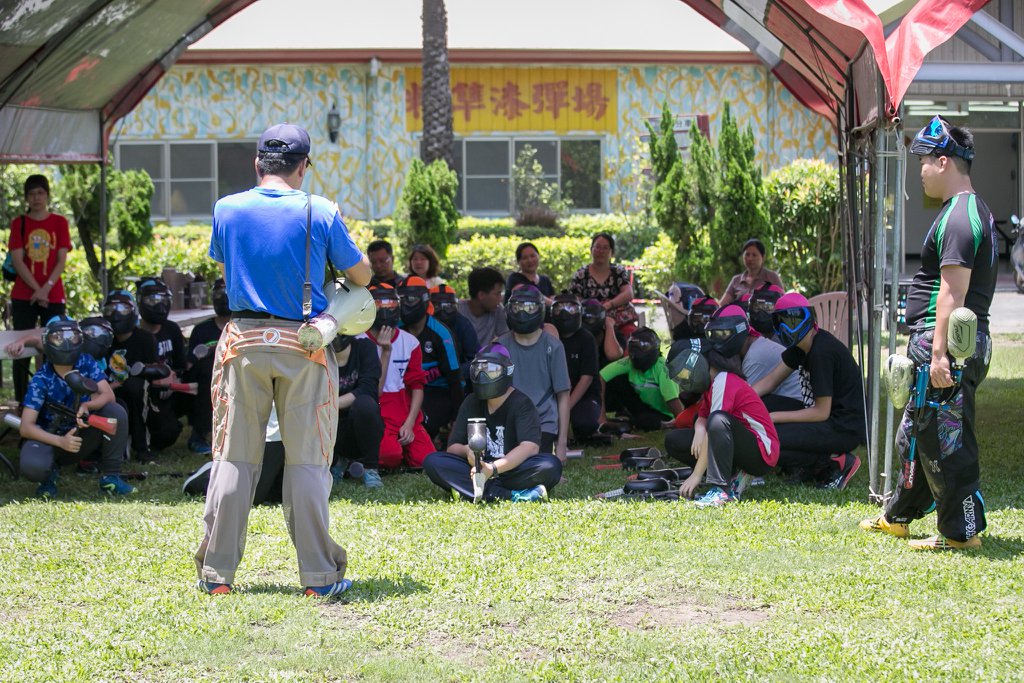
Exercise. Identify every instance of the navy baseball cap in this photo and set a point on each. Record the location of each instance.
(284, 138)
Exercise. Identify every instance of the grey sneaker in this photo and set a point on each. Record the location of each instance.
(371, 479)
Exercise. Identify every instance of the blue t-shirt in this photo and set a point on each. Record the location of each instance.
(260, 237)
(47, 385)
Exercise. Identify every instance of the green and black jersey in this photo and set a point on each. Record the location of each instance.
(960, 236)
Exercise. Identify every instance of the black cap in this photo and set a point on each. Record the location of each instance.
(284, 138)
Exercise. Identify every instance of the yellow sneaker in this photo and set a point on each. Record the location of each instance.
(943, 543)
(879, 524)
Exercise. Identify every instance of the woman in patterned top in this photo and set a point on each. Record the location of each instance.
(608, 283)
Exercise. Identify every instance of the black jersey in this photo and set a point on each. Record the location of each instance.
(960, 236)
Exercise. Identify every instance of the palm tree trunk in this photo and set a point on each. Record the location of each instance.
(438, 138)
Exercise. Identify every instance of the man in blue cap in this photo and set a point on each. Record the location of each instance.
(958, 268)
(273, 242)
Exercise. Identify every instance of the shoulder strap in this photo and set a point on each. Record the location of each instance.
(307, 286)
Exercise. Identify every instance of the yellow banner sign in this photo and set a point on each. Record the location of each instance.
(486, 99)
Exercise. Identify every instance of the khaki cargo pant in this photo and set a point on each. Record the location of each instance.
(259, 362)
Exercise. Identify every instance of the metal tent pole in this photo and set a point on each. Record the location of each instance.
(103, 210)
(896, 266)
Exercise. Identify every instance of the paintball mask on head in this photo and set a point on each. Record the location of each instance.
(491, 372)
(62, 341)
(119, 309)
(154, 298)
(566, 315)
(760, 308)
(690, 370)
(386, 300)
(593, 314)
(644, 349)
(700, 313)
(445, 304)
(525, 311)
(793, 318)
(727, 331)
(97, 336)
(934, 139)
(219, 295)
(414, 300)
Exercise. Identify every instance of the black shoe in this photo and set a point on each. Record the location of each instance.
(847, 465)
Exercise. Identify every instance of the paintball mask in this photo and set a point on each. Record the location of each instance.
(935, 140)
(700, 313)
(567, 315)
(491, 372)
(760, 308)
(119, 309)
(792, 319)
(690, 370)
(414, 300)
(97, 336)
(62, 341)
(386, 300)
(219, 295)
(593, 314)
(727, 331)
(445, 304)
(525, 311)
(644, 349)
(154, 298)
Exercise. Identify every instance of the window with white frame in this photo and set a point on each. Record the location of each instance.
(189, 176)
(485, 170)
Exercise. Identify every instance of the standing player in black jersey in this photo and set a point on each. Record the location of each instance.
(958, 268)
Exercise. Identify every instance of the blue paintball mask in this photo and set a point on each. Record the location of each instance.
(935, 140)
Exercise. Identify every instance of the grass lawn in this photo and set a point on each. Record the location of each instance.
(781, 585)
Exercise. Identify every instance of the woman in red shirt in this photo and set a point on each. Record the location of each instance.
(39, 244)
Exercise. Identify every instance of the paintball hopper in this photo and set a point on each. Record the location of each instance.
(898, 376)
(80, 384)
(350, 310)
(962, 333)
(675, 475)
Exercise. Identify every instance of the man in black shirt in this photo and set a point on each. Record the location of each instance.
(382, 263)
(820, 438)
(581, 361)
(515, 468)
(958, 268)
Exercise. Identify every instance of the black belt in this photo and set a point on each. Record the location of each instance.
(261, 315)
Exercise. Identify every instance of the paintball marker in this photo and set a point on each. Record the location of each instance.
(904, 383)
(65, 419)
(158, 371)
(477, 432)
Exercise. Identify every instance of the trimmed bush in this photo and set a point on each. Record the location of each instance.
(560, 257)
(426, 211)
(806, 246)
(655, 269)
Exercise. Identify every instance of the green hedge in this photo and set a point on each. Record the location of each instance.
(560, 257)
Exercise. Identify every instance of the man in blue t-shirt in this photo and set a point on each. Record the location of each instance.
(270, 240)
(49, 444)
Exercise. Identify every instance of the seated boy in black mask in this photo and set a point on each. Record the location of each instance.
(581, 358)
(512, 462)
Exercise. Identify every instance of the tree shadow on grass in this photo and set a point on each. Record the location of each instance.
(362, 590)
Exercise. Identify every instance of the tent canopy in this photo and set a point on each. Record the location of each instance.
(70, 68)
